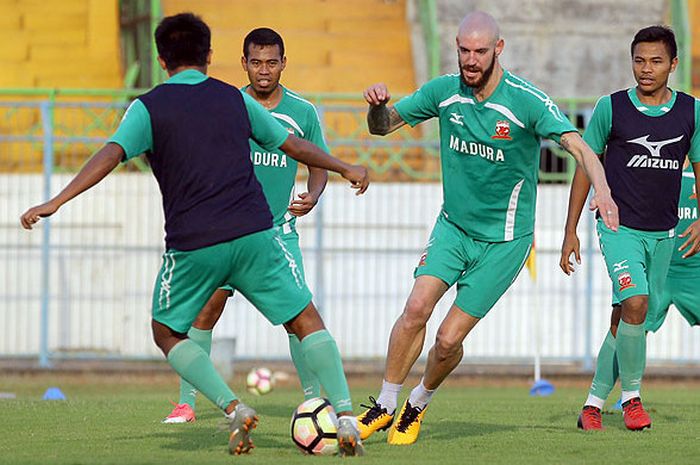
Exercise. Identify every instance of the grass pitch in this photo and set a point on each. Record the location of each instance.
(115, 419)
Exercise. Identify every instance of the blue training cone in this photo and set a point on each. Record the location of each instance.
(618, 405)
(542, 388)
(54, 393)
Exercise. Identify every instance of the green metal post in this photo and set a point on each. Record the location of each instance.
(156, 73)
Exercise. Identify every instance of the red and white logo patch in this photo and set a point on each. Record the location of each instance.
(423, 257)
(625, 281)
(502, 130)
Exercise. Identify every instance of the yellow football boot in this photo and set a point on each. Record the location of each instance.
(374, 419)
(405, 429)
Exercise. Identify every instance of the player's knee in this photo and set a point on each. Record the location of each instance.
(634, 309)
(447, 346)
(417, 312)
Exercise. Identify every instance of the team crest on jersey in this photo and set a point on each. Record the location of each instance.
(423, 257)
(502, 130)
(625, 281)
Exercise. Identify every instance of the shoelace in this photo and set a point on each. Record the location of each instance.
(179, 408)
(593, 415)
(375, 411)
(635, 409)
(408, 417)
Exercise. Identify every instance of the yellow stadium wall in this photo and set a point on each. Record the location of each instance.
(694, 13)
(67, 43)
(331, 45)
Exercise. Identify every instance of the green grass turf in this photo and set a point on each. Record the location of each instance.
(116, 420)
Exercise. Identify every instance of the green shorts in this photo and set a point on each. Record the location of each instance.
(291, 244)
(258, 265)
(637, 261)
(680, 290)
(482, 270)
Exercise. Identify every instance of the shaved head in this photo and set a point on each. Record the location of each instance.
(481, 24)
(479, 44)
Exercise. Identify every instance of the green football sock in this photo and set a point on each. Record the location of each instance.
(309, 381)
(202, 337)
(606, 370)
(631, 355)
(323, 358)
(194, 365)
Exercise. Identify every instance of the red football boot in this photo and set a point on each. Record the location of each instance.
(590, 419)
(636, 418)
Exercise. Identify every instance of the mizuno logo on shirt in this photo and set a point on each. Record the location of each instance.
(653, 160)
(644, 161)
(457, 118)
(654, 148)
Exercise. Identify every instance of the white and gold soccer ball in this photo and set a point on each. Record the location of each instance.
(259, 381)
(315, 426)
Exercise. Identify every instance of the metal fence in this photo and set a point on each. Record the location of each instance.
(80, 285)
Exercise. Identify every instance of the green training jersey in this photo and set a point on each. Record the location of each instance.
(277, 171)
(599, 127)
(489, 150)
(687, 213)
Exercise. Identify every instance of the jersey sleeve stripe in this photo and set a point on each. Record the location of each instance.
(551, 106)
(289, 120)
(455, 99)
(505, 112)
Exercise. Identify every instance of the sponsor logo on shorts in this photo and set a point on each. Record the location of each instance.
(166, 278)
(502, 130)
(625, 281)
(424, 255)
(619, 266)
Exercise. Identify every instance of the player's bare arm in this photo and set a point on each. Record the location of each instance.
(315, 185)
(309, 154)
(580, 186)
(381, 119)
(692, 244)
(589, 162)
(99, 166)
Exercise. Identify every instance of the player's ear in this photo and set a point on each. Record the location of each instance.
(244, 63)
(500, 44)
(283, 63)
(211, 52)
(674, 63)
(162, 64)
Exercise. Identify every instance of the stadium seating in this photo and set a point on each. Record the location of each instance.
(332, 45)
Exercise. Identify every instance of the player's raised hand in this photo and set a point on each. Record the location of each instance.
(570, 245)
(693, 241)
(377, 94)
(303, 205)
(607, 208)
(358, 177)
(32, 216)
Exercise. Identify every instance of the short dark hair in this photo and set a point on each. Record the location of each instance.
(657, 34)
(183, 40)
(262, 36)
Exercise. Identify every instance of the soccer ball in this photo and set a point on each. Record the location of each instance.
(259, 381)
(314, 427)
